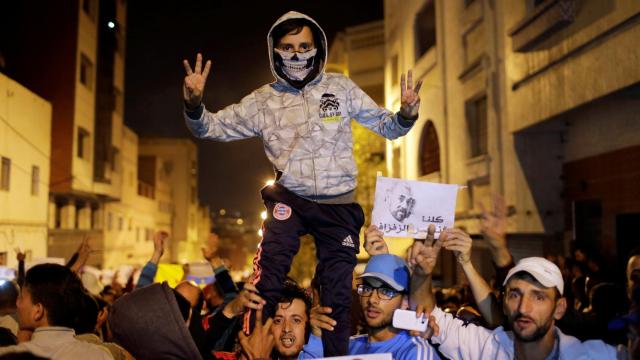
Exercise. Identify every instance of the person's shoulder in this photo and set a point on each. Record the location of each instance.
(85, 350)
(413, 347)
(339, 78)
(13, 348)
(359, 338)
(591, 349)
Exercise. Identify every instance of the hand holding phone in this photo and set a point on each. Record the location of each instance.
(407, 320)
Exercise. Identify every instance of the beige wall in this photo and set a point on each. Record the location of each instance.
(181, 158)
(607, 61)
(25, 139)
(141, 216)
(566, 98)
(84, 112)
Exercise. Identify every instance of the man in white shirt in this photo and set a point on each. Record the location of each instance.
(47, 305)
(533, 302)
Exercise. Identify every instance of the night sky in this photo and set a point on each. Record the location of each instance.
(233, 35)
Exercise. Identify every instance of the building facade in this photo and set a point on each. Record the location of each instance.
(25, 149)
(534, 100)
(98, 186)
(179, 159)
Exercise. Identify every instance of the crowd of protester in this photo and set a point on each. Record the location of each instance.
(548, 308)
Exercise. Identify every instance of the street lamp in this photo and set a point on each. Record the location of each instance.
(269, 182)
(263, 215)
(260, 232)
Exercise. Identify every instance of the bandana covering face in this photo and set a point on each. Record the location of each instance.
(297, 65)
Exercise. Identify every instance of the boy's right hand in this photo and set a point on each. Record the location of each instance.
(194, 82)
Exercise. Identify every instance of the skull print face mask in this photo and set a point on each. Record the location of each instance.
(297, 65)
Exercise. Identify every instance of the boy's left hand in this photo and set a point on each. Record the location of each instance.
(409, 98)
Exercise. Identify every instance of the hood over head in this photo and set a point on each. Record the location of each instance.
(320, 58)
(149, 324)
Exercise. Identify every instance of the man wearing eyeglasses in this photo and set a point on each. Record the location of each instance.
(384, 289)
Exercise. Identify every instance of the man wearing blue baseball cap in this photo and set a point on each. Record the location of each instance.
(385, 288)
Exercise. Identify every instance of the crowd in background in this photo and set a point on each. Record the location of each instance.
(48, 311)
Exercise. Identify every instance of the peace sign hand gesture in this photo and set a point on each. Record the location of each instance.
(194, 82)
(409, 98)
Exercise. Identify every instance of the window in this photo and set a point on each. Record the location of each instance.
(476, 112)
(89, 8)
(109, 221)
(429, 150)
(194, 195)
(3, 258)
(35, 180)
(5, 177)
(120, 223)
(86, 71)
(83, 143)
(424, 29)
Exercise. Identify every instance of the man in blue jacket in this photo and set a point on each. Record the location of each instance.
(303, 119)
(384, 289)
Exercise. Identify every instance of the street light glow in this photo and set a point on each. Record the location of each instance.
(111, 24)
(260, 232)
(240, 222)
(263, 215)
(269, 182)
(223, 211)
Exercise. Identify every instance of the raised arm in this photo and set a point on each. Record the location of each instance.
(423, 257)
(493, 226)
(234, 122)
(374, 243)
(80, 257)
(194, 81)
(20, 256)
(382, 121)
(460, 243)
(409, 97)
(148, 273)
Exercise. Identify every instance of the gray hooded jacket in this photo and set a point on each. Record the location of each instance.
(306, 133)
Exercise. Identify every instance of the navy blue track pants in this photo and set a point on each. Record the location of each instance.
(336, 229)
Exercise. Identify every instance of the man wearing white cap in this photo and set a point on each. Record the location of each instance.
(533, 302)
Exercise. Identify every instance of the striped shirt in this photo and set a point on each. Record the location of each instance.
(401, 347)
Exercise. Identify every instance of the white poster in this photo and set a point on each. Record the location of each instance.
(380, 356)
(406, 208)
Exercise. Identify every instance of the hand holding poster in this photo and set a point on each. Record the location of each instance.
(405, 208)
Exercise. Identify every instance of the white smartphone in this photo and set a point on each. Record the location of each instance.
(407, 320)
